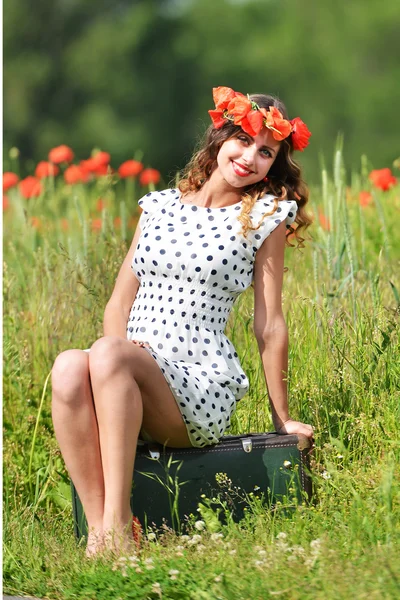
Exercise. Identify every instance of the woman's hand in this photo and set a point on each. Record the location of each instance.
(290, 427)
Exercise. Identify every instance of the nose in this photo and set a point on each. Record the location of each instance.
(248, 156)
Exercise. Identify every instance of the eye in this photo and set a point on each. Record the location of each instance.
(243, 138)
(267, 153)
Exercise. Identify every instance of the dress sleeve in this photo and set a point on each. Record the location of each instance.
(286, 211)
(151, 203)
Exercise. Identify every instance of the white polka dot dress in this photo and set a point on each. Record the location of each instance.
(192, 264)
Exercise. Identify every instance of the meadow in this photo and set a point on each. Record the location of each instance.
(63, 246)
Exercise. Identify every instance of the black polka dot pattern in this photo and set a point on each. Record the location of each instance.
(192, 264)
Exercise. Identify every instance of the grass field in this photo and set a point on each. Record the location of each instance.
(62, 251)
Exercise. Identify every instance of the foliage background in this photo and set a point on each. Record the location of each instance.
(127, 76)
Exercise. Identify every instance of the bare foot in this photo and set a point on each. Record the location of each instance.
(95, 543)
(124, 539)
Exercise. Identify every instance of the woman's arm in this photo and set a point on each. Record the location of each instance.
(126, 286)
(270, 329)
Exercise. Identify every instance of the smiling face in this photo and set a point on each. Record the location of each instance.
(244, 160)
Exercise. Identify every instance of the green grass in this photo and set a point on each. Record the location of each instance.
(341, 298)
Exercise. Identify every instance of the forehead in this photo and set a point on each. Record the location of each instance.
(266, 138)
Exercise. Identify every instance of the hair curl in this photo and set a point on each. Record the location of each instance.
(284, 177)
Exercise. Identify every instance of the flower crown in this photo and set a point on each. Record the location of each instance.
(236, 107)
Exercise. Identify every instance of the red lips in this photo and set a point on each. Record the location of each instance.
(240, 169)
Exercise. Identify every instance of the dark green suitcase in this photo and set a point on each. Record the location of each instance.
(168, 483)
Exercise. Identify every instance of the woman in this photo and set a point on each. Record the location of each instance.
(171, 374)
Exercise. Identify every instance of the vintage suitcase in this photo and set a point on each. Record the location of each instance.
(168, 483)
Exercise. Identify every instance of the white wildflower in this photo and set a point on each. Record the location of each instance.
(180, 548)
(232, 552)
(173, 574)
(200, 525)
(156, 588)
(281, 536)
(218, 578)
(259, 563)
(201, 548)
(262, 553)
(325, 475)
(194, 540)
(148, 561)
(151, 537)
(310, 562)
(298, 550)
(315, 545)
(216, 537)
(185, 538)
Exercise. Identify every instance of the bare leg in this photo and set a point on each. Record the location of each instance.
(76, 430)
(128, 387)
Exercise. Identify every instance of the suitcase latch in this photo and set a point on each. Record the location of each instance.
(247, 445)
(154, 452)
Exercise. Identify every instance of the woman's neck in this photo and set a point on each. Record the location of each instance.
(216, 193)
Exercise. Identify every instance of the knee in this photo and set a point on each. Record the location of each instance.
(69, 376)
(107, 356)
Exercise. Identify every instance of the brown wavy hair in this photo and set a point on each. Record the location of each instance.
(284, 177)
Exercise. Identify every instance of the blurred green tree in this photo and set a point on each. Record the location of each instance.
(127, 76)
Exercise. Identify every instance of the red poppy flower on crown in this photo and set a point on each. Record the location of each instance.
(236, 107)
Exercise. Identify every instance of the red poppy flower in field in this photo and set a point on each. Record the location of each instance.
(75, 174)
(46, 169)
(101, 158)
(61, 154)
(130, 168)
(103, 170)
(324, 221)
(117, 222)
(150, 176)
(64, 224)
(365, 198)
(36, 222)
(382, 179)
(30, 187)
(300, 134)
(97, 163)
(100, 204)
(6, 202)
(9, 180)
(96, 224)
